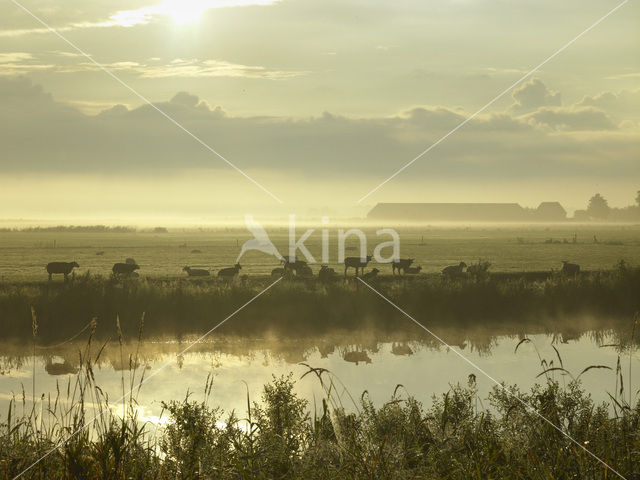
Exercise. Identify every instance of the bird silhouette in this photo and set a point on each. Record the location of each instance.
(260, 242)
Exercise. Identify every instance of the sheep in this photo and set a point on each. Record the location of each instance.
(196, 272)
(454, 270)
(357, 263)
(130, 261)
(100, 253)
(304, 271)
(63, 268)
(195, 250)
(326, 274)
(413, 270)
(229, 273)
(570, 269)
(401, 264)
(299, 267)
(124, 268)
(371, 275)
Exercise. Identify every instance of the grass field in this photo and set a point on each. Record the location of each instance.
(23, 255)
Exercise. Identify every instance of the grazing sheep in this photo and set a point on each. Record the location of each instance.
(326, 274)
(196, 272)
(570, 269)
(401, 264)
(125, 269)
(229, 273)
(304, 271)
(277, 272)
(413, 270)
(454, 270)
(299, 267)
(357, 263)
(371, 275)
(131, 261)
(100, 253)
(63, 268)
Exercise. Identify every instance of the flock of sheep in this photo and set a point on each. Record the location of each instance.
(295, 267)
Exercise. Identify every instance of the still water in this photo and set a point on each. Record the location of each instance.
(357, 364)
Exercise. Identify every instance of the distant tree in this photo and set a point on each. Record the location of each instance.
(598, 207)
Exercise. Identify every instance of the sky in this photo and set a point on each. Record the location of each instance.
(315, 103)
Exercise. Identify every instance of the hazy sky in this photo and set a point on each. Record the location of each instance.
(318, 100)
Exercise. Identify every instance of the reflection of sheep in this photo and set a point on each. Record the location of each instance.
(356, 357)
(124, 268)
(570, 269)
(63, 268)
(371, 275)
(357, 263)
(229, 273)
(56, 368)
(401, 349)
(401, 264)
(413, 270)
(196, 272)
(454, 270)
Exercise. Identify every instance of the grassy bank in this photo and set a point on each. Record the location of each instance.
(461, 436)
(180, 307)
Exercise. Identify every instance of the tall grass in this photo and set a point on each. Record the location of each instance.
(182, 306)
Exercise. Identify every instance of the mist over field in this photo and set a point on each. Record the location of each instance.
(319, 239)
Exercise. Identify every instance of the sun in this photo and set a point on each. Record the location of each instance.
(185, 11)
(182, 12)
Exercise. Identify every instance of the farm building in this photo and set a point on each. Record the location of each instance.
(466, 212)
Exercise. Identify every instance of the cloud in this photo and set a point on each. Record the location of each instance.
(20, 63)
(573, 118)
(178, 11)
(624, 104)
(194, 68)
(43, 135)
(532, 95)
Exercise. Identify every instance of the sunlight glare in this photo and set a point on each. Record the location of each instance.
(190, 11)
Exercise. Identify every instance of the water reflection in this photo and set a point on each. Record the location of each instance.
(372, 360)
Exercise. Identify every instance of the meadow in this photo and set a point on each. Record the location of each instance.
(23, 255)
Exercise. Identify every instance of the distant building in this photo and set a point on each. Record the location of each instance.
(581, 215)
(550, 212)
(466, 212)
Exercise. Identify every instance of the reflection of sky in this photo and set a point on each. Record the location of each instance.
(426, 372)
